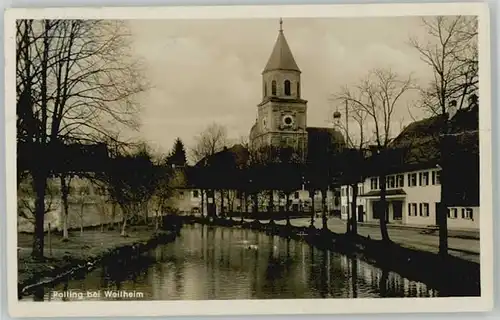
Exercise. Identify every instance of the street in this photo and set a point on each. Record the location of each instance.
(467, 249)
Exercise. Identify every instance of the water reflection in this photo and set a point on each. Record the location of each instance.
(223, 263)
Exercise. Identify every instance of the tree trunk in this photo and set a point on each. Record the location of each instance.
(246, 202)
(123, 232)
(222, 211)
(270, 208)
(348, 211)
(313, 213)
(443, 206)
(214, 206)
(354, 216)
(81, 216)
(40, 185)
(64, 197)
(230, 210)
(255, 204)
(113, 214)
(145, 211)
(323, 209)
(157, 219)
(202, 209)
(383, 217)
(287, 209)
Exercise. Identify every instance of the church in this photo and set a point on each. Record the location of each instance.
(282, 114)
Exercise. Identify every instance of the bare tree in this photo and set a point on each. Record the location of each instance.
(451, 52)
(378, 95)
(26, 206)
(76, 82)
(210, 141)
(356, 144)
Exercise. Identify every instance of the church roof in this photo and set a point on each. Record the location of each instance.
(281, 58)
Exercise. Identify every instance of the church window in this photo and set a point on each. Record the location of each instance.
(298, 89)
(265, 89)
(273, 88)
(287, 88)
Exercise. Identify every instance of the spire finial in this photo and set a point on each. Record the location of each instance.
(281, 25)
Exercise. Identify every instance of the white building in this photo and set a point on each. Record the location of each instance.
(413, 195)
(412, 199)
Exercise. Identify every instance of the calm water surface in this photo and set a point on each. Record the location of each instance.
(227, 263)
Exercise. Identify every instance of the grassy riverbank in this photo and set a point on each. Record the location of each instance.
(82, 252)
(452, 276)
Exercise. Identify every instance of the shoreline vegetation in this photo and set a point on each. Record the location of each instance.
(82, 253)
(452, 276)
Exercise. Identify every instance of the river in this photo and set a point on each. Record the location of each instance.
(207, 262)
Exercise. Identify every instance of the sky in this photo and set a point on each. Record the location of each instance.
(205, 71)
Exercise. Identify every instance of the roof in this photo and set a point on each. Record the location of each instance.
(390, 192)
(281, 57)
(419, 142)
(317, 132)
(236, 155)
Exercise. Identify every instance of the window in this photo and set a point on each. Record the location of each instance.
(287, 88)
(400, 181)
(412, 179)
(452, 213)
(424, 179)
(298, 89)
(467, 213)
(195, 194)
(391, 182)
(424, 209)
(343, 191)
(181, 195)
(273, 88)
(360, 189)
(374, 183)
(265, 89)
(436, 175)
(296, 194)
(412, 209)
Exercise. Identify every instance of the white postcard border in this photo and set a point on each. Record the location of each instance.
(256, 307)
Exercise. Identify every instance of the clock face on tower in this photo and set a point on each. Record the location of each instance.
(288, 121)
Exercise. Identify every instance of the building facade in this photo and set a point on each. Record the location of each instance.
(412, 199)
(414, 189)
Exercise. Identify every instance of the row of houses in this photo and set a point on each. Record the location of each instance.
(413, 184)
(189, 200)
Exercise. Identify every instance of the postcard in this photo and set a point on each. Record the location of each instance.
(249, 160)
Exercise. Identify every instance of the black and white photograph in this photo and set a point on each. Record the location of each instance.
(324, 161)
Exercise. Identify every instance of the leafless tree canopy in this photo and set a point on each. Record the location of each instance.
(374, 100)
(76, 79)
(452, 53)
(210, 141)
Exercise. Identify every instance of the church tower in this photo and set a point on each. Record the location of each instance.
(282, 113)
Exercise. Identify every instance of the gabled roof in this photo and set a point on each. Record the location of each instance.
(281, 58)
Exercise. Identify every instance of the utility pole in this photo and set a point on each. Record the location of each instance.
(348, 211)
